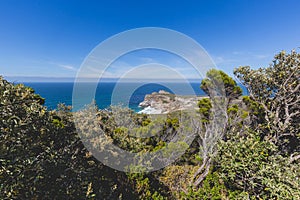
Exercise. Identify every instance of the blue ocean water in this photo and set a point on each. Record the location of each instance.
(56, 93)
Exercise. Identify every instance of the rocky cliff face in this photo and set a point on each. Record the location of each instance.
(163, 102)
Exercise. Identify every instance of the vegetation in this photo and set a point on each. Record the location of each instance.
(250, 151)
(219, 82)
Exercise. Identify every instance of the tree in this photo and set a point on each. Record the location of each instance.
(259, 160)
(277, 90)
(219, 82)
(213, 121)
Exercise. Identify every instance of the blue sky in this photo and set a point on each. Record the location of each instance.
(44, 38)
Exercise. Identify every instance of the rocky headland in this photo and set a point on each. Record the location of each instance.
(163, 102)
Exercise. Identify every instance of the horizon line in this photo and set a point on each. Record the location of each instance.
(87, 79)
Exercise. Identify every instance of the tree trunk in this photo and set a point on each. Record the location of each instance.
(202, 172)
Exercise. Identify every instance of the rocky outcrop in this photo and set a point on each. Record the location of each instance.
(163, 102)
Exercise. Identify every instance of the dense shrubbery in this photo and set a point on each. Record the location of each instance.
(41, 155)
(255, 156)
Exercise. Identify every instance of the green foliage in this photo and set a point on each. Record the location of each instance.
(172, 122)
(233, 109)
(142, 185)
(212, 188)
(204, 109)
(177, 178)
(23, 120)
(255, 110)
(41, 156)
(57, 122)
(219, 82)
(249, 164)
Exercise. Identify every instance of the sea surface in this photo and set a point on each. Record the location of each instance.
(55, 92)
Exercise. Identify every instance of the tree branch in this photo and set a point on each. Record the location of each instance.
(294, 158)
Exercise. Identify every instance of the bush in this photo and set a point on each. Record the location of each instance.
(42, 157)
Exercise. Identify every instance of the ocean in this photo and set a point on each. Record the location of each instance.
(55, 92)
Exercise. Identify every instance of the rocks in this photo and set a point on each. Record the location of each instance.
(150, 110)
(163, 92)
(164, 102)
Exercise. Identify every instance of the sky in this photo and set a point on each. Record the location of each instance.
(51, 38)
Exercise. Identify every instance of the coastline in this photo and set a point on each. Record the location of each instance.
(163, 102)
